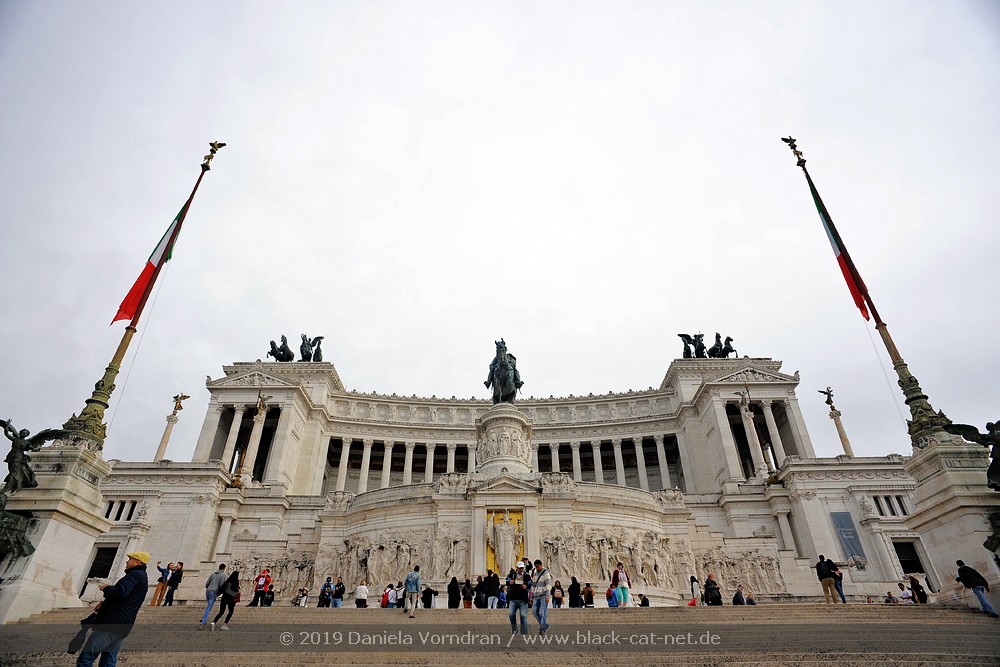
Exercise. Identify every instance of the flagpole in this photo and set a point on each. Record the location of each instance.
(89, 425)
(925, 420)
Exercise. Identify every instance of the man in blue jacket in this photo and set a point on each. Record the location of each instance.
(117, 612)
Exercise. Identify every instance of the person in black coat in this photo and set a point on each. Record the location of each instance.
(467, 593)
(739, 598)
(574, 593)
(427, 597)
(454, 594)
(231, 591)
(115, 617)
(492, 589)
(713, 594)
(172, 583)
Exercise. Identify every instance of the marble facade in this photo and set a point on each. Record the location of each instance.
(673, 481)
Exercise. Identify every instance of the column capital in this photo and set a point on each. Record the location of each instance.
(368, 442)
(658, 439)
(409, 444)
(172, 419)
(766, 403)
(240, 409)
(451, 446)
(617, 442)
(575, 445)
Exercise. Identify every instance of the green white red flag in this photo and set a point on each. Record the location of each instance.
(161, 255)
(854, 282)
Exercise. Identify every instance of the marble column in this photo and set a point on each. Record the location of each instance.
(534, 457)
(429, 465)
(274, 471)
(772, 431)
(788, 541)
(366, 459)
(246, 472)
(161, 451)
(206, 439)
(387, 463)
(683, 462)
(802, 442)
(345, 452)
(408, 463)
(619, 461)
(834, 415)
(661, 457)
(234, 431)
(554, 453)
(472, 457)
(451, 457)
(760, 468)
(577, 468)
(598, 462)
(733, 465)
(640, 461)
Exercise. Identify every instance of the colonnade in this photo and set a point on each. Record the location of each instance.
(759, 452)
(618, 474)
(388, 448)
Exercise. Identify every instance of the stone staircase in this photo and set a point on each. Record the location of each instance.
(773, 634)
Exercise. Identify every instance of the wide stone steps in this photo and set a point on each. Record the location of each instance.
(776, 634)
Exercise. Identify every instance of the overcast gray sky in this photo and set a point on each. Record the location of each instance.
(414, 180)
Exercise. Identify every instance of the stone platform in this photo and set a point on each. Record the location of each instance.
(775, 634)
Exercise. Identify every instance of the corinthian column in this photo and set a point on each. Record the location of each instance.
(619, 461)
(577, 468)
(640, 461)
(366, 459)
(408, 463)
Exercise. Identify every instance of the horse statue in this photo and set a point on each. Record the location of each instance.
(283, 353)
(715, 352)
(728, 348)
(720, 351)
(504, 376)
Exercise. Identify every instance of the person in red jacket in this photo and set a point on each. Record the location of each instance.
(260, 585)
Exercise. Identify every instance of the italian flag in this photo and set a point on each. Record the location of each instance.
(161, 255)
(854, 282)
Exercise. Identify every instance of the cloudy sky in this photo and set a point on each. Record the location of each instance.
(414, 180)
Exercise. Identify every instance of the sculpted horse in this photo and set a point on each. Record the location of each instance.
(283, 353)
(504, 376)
(720, 351)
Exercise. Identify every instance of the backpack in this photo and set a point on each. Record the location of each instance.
(612, 598)
(385, 599)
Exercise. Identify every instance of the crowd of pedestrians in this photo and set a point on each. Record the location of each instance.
(528, 585)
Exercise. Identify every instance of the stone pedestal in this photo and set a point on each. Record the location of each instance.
(66, 514)
(951, 504)
(503, 442)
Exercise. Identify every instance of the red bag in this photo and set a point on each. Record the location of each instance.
(692, 602)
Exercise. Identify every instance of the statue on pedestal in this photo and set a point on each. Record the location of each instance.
(504, 538)
(19, 473)
(14, 527)
(989, 439)
(504, 376)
